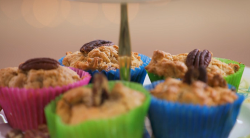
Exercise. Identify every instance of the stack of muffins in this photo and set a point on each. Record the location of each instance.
(194, 100)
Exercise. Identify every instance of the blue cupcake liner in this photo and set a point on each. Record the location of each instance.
(176, 120)
(137, 75)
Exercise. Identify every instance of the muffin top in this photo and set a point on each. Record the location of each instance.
(194, 90)
(37, 73)
(81, 104)
(98, 57)
(167, 65)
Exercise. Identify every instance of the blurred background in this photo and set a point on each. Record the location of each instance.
(50, 28)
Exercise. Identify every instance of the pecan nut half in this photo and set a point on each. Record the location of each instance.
(205, 58)
(194, 74)
(39, 63)
(15, 133)
(95, 44)
(198, 58)
(191, 57)
(40, 132)
(35, 134)
(100, 89)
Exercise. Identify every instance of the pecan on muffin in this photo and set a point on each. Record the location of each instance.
(167, 65)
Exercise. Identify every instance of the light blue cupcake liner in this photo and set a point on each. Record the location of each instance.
(176, 120)
(137, 75)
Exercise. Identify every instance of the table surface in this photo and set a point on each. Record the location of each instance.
(244, 89)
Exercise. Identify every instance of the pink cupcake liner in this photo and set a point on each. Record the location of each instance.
(24, 108)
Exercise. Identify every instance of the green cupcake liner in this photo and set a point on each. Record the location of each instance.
(153, 77)
(128, 125)
(233, 79)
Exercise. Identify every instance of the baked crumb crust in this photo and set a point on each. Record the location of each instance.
(74, 107)
(14, 77)
(102, 58)
(197, 93)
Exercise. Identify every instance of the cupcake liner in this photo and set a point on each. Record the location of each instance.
(127, 125)
(154, 77)
(233, 79)
(145, 133)
(24, 108)
(137, 75)
(176, 120)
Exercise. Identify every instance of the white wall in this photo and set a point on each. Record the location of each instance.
(49, 28)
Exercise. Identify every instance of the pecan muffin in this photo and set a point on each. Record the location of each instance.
(27, 89)
(102, 56)
(81, 104)
(29, 76)
(167, 65)
(99, 58)
(103, 106)
(193, 107)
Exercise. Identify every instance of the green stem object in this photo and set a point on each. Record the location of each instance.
(124, 45)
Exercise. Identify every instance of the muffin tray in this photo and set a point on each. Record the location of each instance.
(4, 127)
(240, 130)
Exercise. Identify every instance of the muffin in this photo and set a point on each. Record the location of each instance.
(104, 109)
(40, 132)
(34, 79)
(193, 107)
(165, 65)
(25, 90)
(102, 56)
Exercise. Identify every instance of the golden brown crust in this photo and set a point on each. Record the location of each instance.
(102, 58)
(164, 64)
(74, 107)
(14, 77)
(167, 65)
(197, 93)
